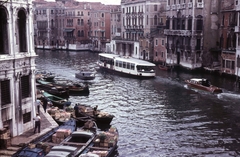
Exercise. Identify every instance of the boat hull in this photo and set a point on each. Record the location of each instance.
(85, 75)
(211, 88)
(121, 73)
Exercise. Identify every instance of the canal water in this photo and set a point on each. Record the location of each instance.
(157, 117)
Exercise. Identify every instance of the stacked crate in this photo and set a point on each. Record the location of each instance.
(60, 135)
(5, 140)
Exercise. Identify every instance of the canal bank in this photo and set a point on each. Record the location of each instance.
(16, 143)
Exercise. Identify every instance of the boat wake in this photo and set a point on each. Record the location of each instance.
(228, 96)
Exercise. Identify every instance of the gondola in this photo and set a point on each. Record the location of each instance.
(56, 101)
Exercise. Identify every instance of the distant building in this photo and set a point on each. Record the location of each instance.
(17, 62)
(192, 32)
(139, 21)
(228, 37)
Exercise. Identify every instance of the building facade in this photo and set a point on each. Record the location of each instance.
(139, 20)
(228, 37)
(17, 61)
(192, 30)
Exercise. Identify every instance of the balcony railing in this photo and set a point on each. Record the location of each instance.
(178, 32)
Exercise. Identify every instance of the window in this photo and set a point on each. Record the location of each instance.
(132, 66)
(124, 64)
(26, 117)
(128, 65)
(25, 86)
(162, 42)
(22, 31)
(156, 42)
(4, 32)
(5, 92)
(155, 7)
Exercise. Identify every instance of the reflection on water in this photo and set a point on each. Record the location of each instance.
(160, 116)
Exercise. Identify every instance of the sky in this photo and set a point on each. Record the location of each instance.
(115, 2)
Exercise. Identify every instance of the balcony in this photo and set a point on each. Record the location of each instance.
(178, 32)
(237, 29)
(190, 5)
(200, 5)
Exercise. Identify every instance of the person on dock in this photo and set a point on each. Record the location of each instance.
(45, 103)
(38, 103)
(37, 123)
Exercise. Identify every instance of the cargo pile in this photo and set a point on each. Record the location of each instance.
(60, 135)
(107, 138)
(58, 114)
(5, 140)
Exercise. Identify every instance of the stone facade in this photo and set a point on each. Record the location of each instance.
(17, 66)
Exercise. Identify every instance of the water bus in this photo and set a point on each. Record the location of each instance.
(126, 65)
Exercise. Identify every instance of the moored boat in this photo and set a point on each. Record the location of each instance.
(53, 89)
(126, 65)
(56, 101)
(203, 84)
(103, 145)
(73, 145)
(101, 118)
(42, 145)
(85, 75)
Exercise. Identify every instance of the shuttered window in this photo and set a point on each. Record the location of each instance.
(25, 86)
(5, 92)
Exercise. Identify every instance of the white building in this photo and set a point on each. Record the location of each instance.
(17, 66)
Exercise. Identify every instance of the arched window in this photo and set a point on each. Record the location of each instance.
(79, 34)
(3, 32)
(22, 31)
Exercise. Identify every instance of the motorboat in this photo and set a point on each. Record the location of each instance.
(85, 75)
(203, 84)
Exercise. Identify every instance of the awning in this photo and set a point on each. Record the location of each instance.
(68, 29)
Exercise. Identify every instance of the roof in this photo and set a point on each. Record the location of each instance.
(127, 59)
(198, 79)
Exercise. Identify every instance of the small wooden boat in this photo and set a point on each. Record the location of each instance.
(56, 101)
(73, 88)
(101, 118)
(42, 145)
(163, 67)
(59, 115)
(85, 75)
(52, 88)
(77, 89)
(73, 145)
(104, 144)
(203, 84)
(48, 76)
